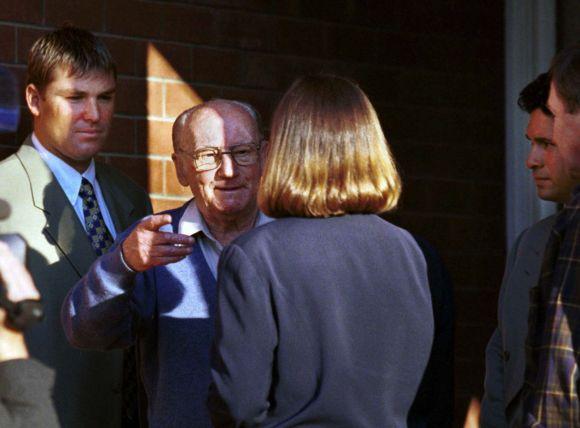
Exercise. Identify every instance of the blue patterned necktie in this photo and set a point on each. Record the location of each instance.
(99, 236)
(101, 240)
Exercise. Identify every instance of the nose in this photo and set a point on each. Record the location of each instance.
(92, 113)
(228, 166)
(535, 158)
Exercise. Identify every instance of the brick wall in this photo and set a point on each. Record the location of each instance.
(433, 69)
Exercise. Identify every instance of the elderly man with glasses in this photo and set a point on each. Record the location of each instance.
(156, 288)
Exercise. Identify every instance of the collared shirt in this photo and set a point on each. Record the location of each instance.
(192, 223)
(70, 182)
(551, 397)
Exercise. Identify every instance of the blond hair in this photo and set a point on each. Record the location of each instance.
(327, 154)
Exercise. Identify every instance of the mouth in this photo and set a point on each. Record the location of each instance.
(228, 188)
(90, 132)
(541, 180)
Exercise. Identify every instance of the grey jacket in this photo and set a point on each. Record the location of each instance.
(87, 384)
(25, 395)
(505, 355)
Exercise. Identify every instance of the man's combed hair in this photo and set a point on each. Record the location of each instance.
(74, 49)
(327, 154)
(535, 95)
(565, 74)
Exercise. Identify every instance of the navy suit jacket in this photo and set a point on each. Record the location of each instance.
(320, 322)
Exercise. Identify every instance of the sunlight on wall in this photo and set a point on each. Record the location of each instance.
(168, 94)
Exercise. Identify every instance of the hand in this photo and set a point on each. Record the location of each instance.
(146, 247)
(19, 286)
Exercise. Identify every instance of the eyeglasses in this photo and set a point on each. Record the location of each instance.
(209, 158)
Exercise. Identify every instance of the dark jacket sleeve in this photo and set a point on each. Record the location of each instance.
(25, 395)
(244, 326)
(433, 405)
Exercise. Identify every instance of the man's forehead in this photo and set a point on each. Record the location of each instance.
(66, 77)
(221, 122)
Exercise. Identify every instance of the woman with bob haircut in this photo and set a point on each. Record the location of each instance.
(324, 316)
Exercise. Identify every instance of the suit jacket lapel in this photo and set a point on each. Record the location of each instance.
(62, 224)
(119, 205)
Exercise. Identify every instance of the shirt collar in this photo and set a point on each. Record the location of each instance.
(68, 177)
(192, 222)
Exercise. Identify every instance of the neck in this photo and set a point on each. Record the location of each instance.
(79, 165)
(227, 228)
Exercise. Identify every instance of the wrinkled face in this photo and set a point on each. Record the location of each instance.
(229, 191)
(566, 134)
(72, 114)
(545, 160)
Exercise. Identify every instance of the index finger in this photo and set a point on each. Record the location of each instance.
(179, 239)
(155, 221)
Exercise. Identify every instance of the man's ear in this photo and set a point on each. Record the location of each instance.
(33, 99)
(181, 177)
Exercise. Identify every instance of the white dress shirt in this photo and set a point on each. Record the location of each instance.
(70, 182)
(192, 223)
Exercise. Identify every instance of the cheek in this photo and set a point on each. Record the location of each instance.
(201, 185)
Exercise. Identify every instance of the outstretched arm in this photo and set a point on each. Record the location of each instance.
(112, 303)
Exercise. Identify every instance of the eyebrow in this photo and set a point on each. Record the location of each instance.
(80, 92)
(539, 139)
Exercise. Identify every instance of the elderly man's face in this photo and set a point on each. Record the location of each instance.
(566, 134)
(230, 190)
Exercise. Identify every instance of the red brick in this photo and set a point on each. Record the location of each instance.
(270, 71)
(179, 97)
(131, 97)
(29, 11)
(173, 187)
(426, 52)
(263, 101)
(155, 98)
(443, 90)
(165, 204)
(350, 43)
(458, 127)
(26, 38)
(218, 66)
(169, 61)
(156, 170)
(246, 31)
(148, 173)
(82, 13)
(448, 162)
(123, 52)
(190, 24)
(7, 43)
(248, 5)
(134, 18)
(303, 38)
(154, 137)
(122, 136)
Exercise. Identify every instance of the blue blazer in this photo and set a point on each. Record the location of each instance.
(320, 322)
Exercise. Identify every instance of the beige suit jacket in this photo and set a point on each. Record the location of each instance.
(505, 355)
(87, 386)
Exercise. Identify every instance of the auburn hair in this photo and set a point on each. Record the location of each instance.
(327, 154)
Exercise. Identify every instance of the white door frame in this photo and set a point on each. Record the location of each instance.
(530, 44)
